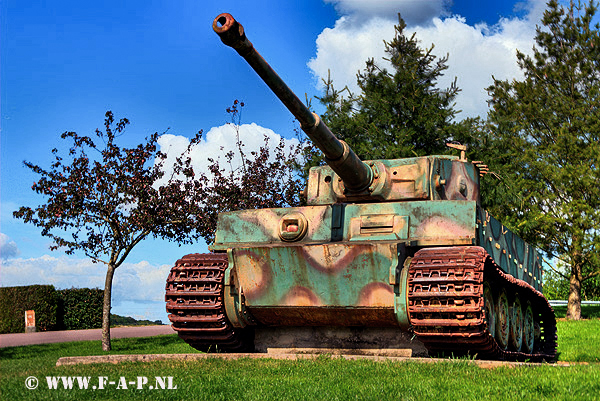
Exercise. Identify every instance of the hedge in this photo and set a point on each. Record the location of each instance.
(70, 309)
(80, 308)
(14, 301)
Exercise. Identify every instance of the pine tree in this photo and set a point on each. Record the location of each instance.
(399, 113)
(549, 125)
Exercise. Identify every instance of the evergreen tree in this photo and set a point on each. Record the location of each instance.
(549, 126)
(402, 113)
(399, 113)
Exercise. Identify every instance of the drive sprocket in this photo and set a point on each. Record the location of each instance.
(194, 296)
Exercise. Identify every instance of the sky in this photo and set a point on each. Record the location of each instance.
(64, 63)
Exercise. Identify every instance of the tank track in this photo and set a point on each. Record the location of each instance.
(446, 305)
(194, 297)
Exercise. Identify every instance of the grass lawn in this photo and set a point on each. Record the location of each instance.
(322, 378)
(579, 340)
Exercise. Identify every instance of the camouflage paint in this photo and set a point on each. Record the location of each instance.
(346, 283)
(341, 263)
(263, 226)
(461, 180)
(511, 253)
(343, 271)
(415, 223)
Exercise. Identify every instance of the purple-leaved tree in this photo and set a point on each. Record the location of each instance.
(103, 200)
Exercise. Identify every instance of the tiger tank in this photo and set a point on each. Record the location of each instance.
(386, 256)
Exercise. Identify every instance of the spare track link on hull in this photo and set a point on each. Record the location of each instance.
(446, 305)
(194, 296)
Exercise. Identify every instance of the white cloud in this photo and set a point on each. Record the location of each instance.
(141, 284)
(8, 247)
(414, 12)
(217, 142)
(62, 272)
(343, 50)
(135, 282)
(476, 52)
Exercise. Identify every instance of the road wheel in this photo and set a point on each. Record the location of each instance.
(528, 329)
(516, 324)
(502, 320)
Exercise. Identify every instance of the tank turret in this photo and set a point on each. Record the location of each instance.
(388, 257)
(347, 178)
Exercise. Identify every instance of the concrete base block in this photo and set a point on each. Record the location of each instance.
(401, 352)
(374, 341)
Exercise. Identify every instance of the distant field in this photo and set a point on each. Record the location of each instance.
(587, 311)
(117, 320)
(322, 378)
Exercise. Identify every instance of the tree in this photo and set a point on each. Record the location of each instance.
(401, 113)
(265, 178)
(103, 199)
(549, 126)
(556, 285)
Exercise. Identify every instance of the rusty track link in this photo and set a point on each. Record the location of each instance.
(194, 296)
(446, 306)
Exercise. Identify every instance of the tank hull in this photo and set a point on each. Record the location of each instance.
(364, 267)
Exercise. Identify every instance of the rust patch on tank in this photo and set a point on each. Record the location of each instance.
(441, 227)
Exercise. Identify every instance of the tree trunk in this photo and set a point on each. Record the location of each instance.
(574, 305)
(110, 272)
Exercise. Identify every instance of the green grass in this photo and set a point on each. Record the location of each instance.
(579, 341)
(322, 378)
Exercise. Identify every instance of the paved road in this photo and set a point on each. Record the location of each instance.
(46, 337)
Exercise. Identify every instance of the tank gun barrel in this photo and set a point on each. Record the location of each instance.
(356, 174)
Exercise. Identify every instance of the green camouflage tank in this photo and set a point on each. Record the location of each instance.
(389, 257)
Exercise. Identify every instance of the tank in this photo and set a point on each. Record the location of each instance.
(388, 257)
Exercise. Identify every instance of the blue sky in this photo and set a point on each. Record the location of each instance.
(158, 63)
